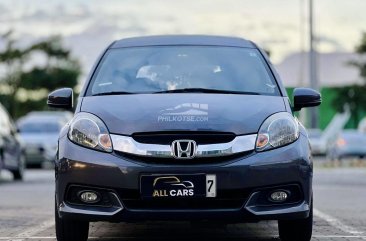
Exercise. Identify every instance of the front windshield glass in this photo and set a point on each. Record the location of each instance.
(164, 68)
(40, 127)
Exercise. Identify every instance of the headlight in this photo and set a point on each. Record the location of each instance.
(277, 130)
(90, 131)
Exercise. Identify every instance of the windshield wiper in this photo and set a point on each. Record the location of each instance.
(203, 90)
(184, 90)
(114, 93)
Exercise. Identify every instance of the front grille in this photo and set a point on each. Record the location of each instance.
(166, 138)
(184, 204)
(226, 199)
(193, 161)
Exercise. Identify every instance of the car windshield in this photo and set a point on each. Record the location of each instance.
(40, 127)
(168, 68)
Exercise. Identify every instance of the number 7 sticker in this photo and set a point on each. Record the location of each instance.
(210, 185)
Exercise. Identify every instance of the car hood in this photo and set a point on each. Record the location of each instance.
(129, 114)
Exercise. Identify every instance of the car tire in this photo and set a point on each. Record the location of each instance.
(299, 230)
(18, 174)
(35, 166)
(71, 230)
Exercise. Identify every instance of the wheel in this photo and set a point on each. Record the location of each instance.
(34, 166)
(299, 230)
(18, 174)
(70, 230)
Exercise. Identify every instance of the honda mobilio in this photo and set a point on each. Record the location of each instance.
(184, 128)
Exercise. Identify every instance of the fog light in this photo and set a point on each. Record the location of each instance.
(278, 196)
(89, 196)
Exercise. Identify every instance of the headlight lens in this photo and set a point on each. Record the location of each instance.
(277, 130)
(90, 131)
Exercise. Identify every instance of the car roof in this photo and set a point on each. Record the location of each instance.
(164, 40)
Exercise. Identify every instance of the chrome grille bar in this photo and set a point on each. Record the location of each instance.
(128, 145)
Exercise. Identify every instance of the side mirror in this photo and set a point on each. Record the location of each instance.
(61, 98)
(306, 97)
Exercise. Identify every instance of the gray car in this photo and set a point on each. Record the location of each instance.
(11, 147)
(39, 133)
(317, 143)
(349, 144)
(184, 128)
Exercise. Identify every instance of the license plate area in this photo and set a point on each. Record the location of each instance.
(178, 186)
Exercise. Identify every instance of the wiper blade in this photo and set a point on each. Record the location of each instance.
(184, 90)
(203, 90)
(114, 93)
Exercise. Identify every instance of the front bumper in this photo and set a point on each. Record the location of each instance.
(37, 154)
(350, 152)
(238, 182)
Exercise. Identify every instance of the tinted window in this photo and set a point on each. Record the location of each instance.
(150, 69)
